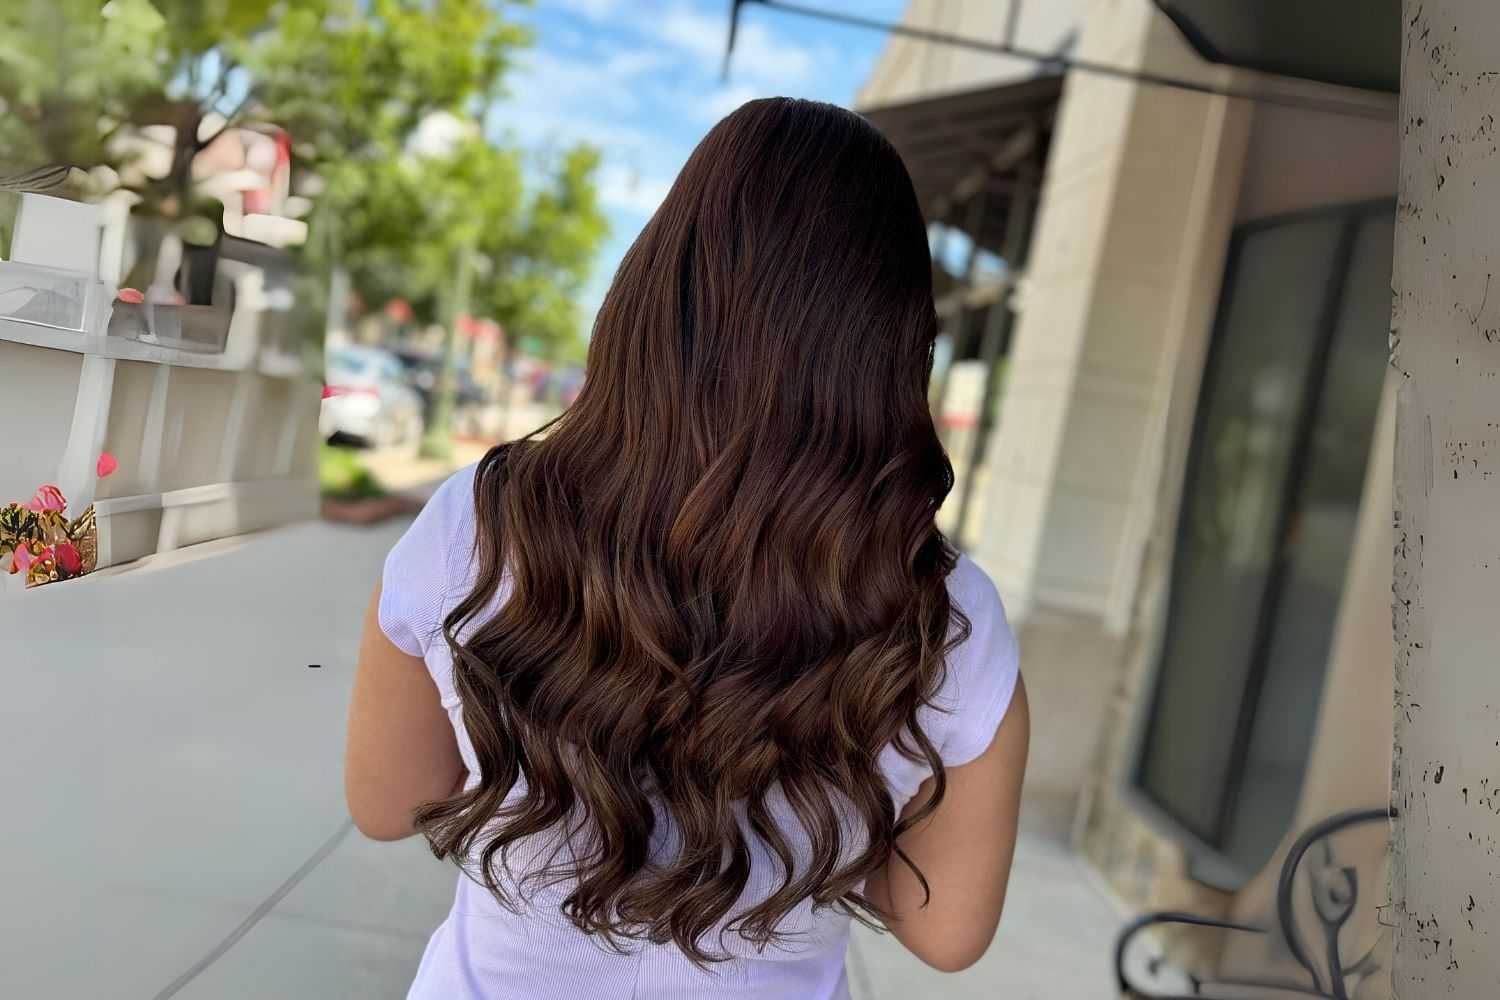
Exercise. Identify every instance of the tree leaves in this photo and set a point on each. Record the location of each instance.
(351, 81)
(543, 263)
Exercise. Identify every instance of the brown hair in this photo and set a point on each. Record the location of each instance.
(723, 571)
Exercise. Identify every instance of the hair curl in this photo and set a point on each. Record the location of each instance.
(721, 570)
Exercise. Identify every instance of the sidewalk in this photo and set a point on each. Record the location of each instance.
(176, 827)
(399, 470)
(176, 759)
(1055, 941)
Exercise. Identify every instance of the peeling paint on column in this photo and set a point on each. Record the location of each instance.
(1445, 345)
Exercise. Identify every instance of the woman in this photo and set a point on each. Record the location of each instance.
(693, 680)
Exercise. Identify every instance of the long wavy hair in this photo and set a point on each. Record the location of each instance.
(721, 575)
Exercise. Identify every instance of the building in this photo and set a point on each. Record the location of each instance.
(197, 386)
(1184, 489)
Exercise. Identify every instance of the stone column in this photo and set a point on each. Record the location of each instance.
(1445, 338)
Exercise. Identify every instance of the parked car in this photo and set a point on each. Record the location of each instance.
(366, 399)
(569, 384)
(422, 374)
(556, 384)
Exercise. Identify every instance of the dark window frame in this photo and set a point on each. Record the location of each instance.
(1207, 861)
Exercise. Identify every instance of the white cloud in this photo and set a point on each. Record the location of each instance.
(564, 98)
(627, 64)
(757, 52)
(550, 79)
(692, 32)
(715, 104)
(539, 126)
(628, 191)
(594, 10)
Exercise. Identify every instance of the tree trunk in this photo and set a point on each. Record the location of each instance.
(437, 442)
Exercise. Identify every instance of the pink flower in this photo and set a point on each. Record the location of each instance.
(68, 558)
(106, 465)
(48, 498)
(22, 559)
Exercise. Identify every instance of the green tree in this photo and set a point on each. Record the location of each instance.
(455, 233)
(541, 265)
(405, 217)
(470, 193)
(351, 81)
(72, 79)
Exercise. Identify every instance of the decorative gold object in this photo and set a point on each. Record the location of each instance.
(42, 544)
(43, 568)
(17, 525)
(38, 540)
(84, 533)
(52, 526)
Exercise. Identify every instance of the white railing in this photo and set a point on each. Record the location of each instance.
(59, 291)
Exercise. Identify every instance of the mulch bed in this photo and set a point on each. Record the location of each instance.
(369, 510)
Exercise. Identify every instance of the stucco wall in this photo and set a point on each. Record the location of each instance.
(37, 389)
(1301, 159)
(1446, 349)
(202, 453)
(909, 68)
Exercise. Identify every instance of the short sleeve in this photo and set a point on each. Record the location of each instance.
(982, 670)
(415, 590)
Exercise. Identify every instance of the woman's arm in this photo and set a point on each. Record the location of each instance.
(401, 753)
(964, 849)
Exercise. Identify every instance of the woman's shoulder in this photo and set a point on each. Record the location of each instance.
(428, 564)
(454, 497)
(982, 668)
(452, 512)
(445, 526)
(972, 589)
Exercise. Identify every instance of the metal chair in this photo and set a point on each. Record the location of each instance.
(1334, 890)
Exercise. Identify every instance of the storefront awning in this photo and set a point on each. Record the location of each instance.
(958, 144)
(1355, 43)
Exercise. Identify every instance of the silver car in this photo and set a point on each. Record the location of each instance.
(366, 399)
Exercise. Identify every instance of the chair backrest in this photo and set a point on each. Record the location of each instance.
(1334, 890)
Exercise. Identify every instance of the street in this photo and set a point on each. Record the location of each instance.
(176, 823)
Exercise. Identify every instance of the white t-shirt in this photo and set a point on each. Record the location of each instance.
(483, 951)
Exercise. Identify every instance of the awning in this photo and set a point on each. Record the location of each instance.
(956, 144)
(1355, 43)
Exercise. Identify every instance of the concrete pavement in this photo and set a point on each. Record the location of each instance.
(170, 759)
(1055, 941)
(401, 471)
(175, 824)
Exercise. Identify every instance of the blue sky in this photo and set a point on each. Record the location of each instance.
(641, 80)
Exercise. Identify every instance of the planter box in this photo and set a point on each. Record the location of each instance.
(215, 434)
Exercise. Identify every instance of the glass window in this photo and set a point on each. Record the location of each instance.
(1286, 413)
